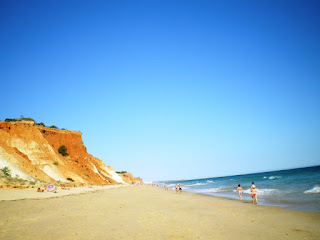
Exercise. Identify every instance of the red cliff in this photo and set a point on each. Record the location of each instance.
(30, 153)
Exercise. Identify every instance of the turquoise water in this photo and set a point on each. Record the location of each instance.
(297, 189)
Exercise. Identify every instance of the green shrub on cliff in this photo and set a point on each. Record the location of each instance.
(41, 124)
(22, 118)
(6, 171)
(63, 150)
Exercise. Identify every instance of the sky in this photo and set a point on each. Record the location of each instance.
(169, 90)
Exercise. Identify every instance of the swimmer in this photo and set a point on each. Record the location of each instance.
(240, 191)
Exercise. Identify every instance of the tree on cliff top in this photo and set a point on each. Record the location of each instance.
(63, 150)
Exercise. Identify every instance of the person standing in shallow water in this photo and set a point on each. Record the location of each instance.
(252, 186)
(254, 195)
(180, 188)
(240, 191)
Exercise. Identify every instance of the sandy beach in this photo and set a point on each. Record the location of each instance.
(31, 193)
(147, 212)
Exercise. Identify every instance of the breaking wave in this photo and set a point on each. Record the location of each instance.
(212, 190)
(316, 189)
(274, 177)
(196, 184)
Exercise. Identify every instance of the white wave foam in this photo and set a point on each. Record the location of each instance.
(196, 184)
(262, 191)
(200, 184)
(264, 177)
(171, 185)
(316, 189)
(212, 190)
(274, 177)
(208, 181)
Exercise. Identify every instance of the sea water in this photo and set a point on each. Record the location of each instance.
(297, 189)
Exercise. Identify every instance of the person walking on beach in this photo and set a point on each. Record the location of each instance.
(240, 191)
(180, 188)
(176, 188)
(254, 195)
(165, 187)
(252, 186)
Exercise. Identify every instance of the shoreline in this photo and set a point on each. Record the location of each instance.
(16, 194)
(263, 202)
(149, 212)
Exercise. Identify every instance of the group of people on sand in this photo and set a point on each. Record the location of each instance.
(177, 188)
(253, 191)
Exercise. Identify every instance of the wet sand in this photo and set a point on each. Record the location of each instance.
(147, 212)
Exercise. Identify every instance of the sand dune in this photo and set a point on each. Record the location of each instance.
(146, 212)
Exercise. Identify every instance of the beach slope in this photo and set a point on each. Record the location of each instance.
(147, 212)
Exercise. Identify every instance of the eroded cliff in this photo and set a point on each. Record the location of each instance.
(29, 153)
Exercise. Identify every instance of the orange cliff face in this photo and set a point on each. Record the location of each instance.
(30, 152)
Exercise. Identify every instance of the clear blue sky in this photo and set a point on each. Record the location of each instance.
(170, 89)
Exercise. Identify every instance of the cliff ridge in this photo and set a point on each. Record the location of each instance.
(29, 155)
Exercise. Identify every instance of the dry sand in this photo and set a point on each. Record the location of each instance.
(31, 193)
(146, 212)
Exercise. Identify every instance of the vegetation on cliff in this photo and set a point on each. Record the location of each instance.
(6, 171)
(22, 118)
(5, 174)
(63, 150)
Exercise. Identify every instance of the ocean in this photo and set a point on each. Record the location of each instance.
(297, 189)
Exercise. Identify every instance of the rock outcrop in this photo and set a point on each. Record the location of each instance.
(29, 153)
(128, 178)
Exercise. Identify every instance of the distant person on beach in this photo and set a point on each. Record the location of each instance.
(38, 190)
(180, 188)
(165, 187)
(254, 195)
(176, 188)
(240, 191)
